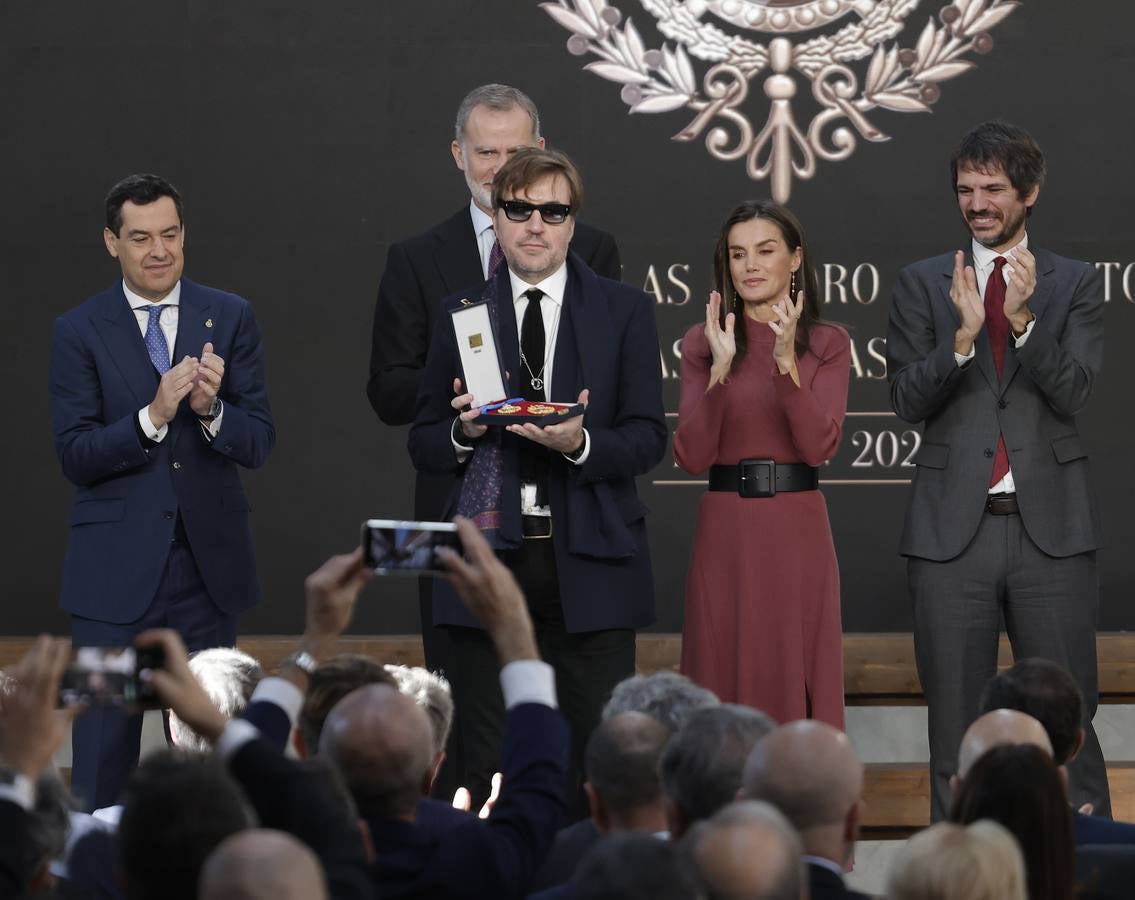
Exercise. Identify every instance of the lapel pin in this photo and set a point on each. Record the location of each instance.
(208, 323)
(466, 302)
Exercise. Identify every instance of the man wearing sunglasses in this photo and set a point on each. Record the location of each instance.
(558, 502)
(493, 122)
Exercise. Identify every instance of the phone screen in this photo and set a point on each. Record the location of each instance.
(394, 547)
(113, 676)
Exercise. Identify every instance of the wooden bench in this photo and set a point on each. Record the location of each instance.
(879, 670)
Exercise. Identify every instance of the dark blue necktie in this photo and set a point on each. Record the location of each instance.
(156, 339)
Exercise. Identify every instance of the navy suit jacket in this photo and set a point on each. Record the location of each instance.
(128, 496)
(1098, 830)
(494, 857)
(607, 341)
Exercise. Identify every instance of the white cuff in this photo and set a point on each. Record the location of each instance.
(148, 428)
(21, 792)
(460, 449)
(528, 681)
(1019, 342)
(237, 733)
(282, 693)
(213, 428)
(962, 360)
(582, 458)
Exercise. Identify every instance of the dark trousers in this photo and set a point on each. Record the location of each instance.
(587, 666)
(104, 740)
(1049, 606)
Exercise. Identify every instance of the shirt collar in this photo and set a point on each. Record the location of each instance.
(553, 286)
(828, 864)
(983, 257)
(173, 298)
(481, 219)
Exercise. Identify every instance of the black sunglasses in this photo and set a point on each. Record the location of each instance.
(520, 211)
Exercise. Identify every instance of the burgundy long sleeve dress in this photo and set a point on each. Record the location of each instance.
(762, 621)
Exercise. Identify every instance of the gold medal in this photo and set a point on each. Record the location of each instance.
(541, 409)
(508, 409)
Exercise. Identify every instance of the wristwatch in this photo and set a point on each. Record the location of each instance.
(302, 660)
(214, 410)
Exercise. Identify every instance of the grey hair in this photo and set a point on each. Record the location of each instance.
(785, 883)
(229, 676)
(431, 692)
(666, 696)
(498, 97)
(702, 765)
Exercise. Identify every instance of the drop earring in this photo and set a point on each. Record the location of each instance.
(792, 287)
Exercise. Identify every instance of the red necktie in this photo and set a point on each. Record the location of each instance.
(997, 327)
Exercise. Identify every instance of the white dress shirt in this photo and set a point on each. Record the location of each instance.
(168, 322)
(983, 260)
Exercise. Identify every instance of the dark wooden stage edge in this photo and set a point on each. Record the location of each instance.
(879, 670)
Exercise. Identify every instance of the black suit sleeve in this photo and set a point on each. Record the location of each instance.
(16, 857)
(399, 341)
(604, 260)
(289, 798)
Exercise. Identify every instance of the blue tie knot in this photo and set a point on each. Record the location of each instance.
(155, 338)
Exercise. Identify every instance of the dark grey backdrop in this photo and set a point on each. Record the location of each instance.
(306, 137)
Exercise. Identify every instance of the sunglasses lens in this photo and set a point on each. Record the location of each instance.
(517, 210)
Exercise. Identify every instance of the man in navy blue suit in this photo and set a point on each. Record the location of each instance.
(158, 395)
(559, 502)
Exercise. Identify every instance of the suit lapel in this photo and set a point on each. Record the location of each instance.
(457, 257)
(194, 322)
(507, 333)
(118, 327)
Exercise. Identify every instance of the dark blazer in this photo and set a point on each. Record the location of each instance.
(17, 858)
(290, 798)
(1105, 872)
(494, 857)
(419, 274)
(1098, 830)
(128, 496)
(1034, 405)
(607, 341)
(568, 849)
(824, 884)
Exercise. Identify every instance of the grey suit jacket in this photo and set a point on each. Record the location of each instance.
(1034, 405)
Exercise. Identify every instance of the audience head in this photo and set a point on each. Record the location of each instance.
(665, 696)
(432, 693)
(493, 122)
(1020, 787)
(1001, 726)
(1045, 691)
(811, 773)
(259, 864)
(333, 680)
(701, 766)
(621, 763)
(381, 742)
(177, 807)
(748, 851)
(48, 827)
(229, 676)
(634, 866)
(952, 862)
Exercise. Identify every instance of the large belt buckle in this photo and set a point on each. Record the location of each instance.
(757, 478)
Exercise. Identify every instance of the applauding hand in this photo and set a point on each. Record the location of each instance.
(787, 314)
(722, 343)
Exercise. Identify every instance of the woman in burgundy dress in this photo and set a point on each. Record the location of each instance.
(764, 393)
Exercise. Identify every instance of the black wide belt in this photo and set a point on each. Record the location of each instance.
(1002, 504)
(763, 477)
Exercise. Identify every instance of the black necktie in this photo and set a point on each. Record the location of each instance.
(532, 348)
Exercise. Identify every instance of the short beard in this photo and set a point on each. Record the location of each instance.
(480, 196)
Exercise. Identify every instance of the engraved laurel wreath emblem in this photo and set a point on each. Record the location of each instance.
(897, 78)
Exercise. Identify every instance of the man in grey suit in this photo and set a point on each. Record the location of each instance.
(996, 349)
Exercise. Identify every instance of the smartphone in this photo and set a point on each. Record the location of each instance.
(392, 547)
(112, 676)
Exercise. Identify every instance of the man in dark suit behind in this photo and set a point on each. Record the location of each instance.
(157, 397)
(996, 350)
(560, 501)
(493, 122)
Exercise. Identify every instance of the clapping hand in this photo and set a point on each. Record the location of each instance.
(1019, 287)
(787, 314)
(967, 301)
(722, 343)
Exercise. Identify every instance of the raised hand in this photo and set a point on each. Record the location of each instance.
(1019, 287)
(722, 343)
(210, 372)
(967, 301)
(174, 387)
(786, 314)
(467, 412)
